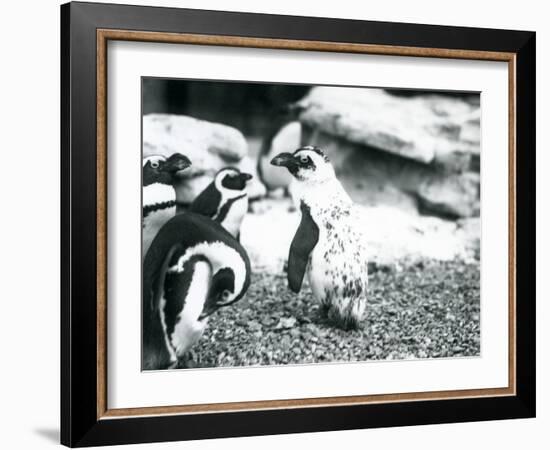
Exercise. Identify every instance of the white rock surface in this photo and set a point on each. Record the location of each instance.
(453, 194)
(426, 128)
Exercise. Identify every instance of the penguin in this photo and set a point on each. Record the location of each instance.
(159, 197)
(329, 243)
(225, 199)
(193, 268)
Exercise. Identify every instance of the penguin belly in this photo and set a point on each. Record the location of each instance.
(338, 275)
(188, 329)
(152, 223)
(318, 272)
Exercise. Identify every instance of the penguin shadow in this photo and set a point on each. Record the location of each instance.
(319, 316)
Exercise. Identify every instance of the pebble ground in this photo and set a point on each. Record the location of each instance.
(429, 309)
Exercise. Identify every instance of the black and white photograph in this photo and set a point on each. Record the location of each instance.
(275, 225)
(298, 224)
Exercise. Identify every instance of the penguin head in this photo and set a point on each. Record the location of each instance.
(306, 164)
(159, 169)
(231, 181)
(221, 293)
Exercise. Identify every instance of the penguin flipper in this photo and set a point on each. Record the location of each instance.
(207, 201)
(304, 242)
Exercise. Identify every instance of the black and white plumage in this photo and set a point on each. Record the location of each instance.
(159, 197)
(225, 199)
(193, 268)
(329, 243)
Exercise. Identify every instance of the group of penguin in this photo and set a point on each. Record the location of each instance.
(194, 263)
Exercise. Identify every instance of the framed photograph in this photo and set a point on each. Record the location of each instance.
(276, 224)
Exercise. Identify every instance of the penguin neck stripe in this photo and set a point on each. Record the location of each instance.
(222, 213)
(148, 209)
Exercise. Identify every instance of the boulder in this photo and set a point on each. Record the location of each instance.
(286, 140)
(373, 177)
(209, 146)
(429, 128)
(414, 152)
(455, 195)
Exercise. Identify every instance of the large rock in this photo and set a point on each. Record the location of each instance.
(209, 146)
(286, 140)
(455, 195)
(418, 152)
(372, 177)
(429, 128)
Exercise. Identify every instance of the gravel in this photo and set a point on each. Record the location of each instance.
(429, 309)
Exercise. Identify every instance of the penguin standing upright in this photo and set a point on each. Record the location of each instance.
(225, 199)
(193, 268)
(329, 242)
(159, 197)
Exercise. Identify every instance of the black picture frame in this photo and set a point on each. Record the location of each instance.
(80, 424)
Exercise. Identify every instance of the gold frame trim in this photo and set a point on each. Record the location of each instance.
(103, 36)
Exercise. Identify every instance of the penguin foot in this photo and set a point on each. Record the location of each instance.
(324, 310)
(190, 360)
(346, 322)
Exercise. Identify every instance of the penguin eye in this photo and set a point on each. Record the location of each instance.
(304, 159)
(155, 164)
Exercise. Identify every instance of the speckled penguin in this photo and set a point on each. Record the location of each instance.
(225, 200)
(193, 268)
(329, 242)
(159, 196)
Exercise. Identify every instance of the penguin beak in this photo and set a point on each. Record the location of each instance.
(286, 160)
(245, 176)
(176, 162)
(206, 313)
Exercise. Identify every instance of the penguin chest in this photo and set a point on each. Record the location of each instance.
(187, 333)
(153, 222)
(231, 215)
(320, 271)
